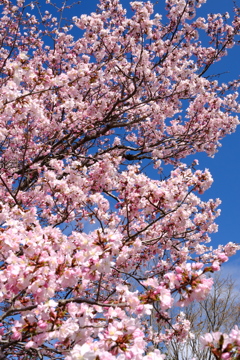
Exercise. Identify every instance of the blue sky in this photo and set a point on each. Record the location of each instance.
(225, 166)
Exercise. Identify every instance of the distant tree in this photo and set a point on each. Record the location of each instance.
(219, 312)
(91, 245)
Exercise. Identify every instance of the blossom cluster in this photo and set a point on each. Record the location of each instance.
(223, 346)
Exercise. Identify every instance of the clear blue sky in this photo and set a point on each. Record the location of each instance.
(225, 166)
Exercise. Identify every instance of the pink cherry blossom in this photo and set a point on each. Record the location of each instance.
(95, 240)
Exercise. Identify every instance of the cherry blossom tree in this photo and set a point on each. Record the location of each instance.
(92, 243)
